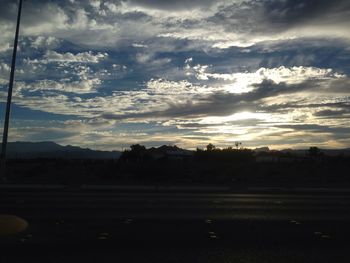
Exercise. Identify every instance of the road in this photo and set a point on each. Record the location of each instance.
(148, 226)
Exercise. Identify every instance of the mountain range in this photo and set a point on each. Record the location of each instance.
(28, 150)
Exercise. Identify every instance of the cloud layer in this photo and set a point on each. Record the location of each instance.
(106, 74)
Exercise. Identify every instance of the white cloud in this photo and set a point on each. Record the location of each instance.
(44, 42)
(84, 57)
(4, 73)
(95, 3)
(78, 87)
(137, 45)
(181, 88)
(7, 35)
(244, 82)
(4, 69)
(111, 6)
(160, 94)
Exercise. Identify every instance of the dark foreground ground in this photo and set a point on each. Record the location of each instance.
(235, 171)
(178, 226)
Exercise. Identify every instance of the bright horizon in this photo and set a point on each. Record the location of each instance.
(106, 74)
(191, 149)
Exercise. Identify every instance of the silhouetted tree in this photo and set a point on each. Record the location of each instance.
(137, 148)
(314, 152)
(238, 144)
(136, 153)
(210, 147)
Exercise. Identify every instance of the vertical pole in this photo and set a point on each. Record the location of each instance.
(9, 96)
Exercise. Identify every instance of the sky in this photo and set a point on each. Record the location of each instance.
(106, 74)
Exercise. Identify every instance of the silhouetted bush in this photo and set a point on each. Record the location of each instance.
(225, 155)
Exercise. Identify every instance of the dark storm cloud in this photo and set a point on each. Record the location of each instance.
(316, 52)
(45, 134)
(223, 104)
(172, 5)
(340, 107)
(293, 12)
(8, 9)
(248, 122)
(216, 107)
(217, 104)
(316, 128)
(332, 113)
(35, 13)
(269, 17)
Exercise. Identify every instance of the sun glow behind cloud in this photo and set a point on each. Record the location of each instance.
(235, 117)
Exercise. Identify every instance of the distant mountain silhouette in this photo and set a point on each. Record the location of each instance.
(27, 150)
(328, 152)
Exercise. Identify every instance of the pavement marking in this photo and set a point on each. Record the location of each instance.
(128, 221)
(59, 222)
(294, 222)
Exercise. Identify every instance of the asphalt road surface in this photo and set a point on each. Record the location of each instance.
(175, 226)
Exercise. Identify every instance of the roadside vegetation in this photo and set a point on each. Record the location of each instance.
(234, 166)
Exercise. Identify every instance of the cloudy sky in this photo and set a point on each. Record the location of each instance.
(105, 74)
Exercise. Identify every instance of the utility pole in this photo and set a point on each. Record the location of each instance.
(9, 97)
